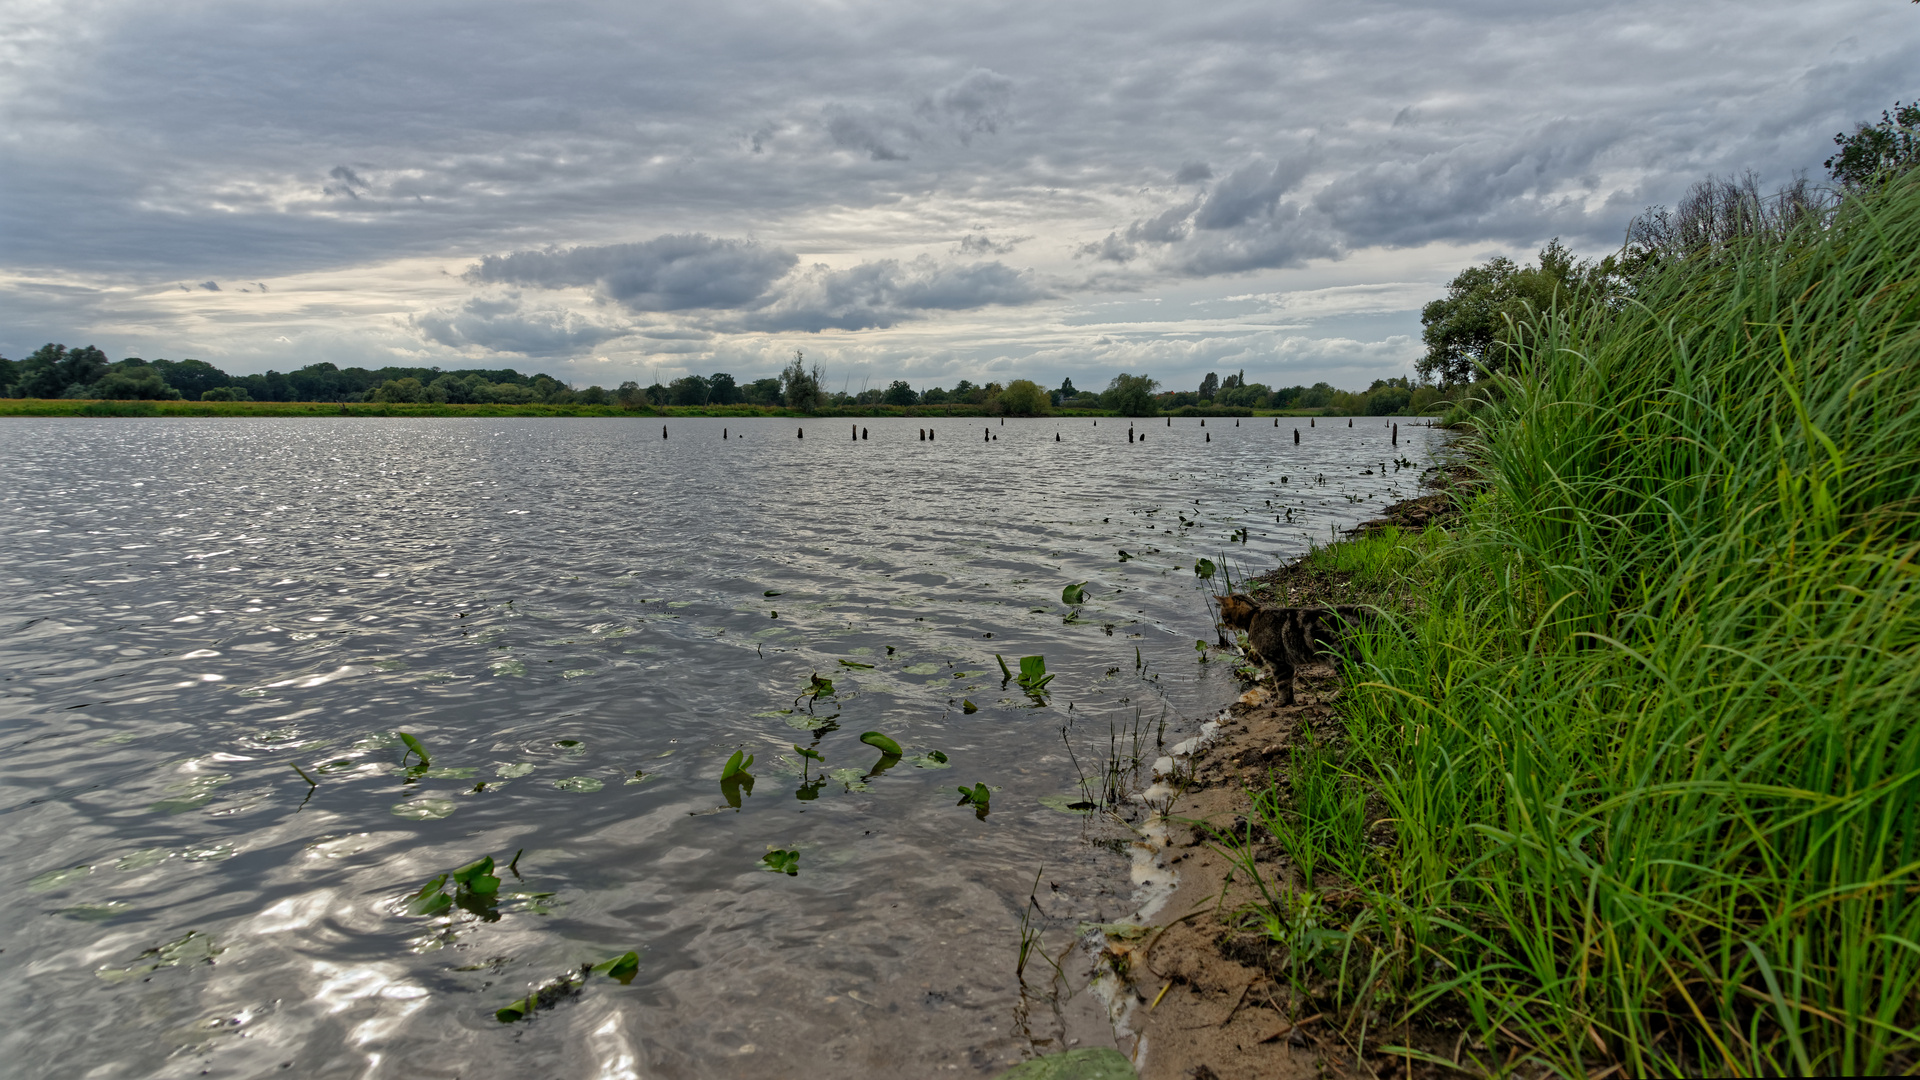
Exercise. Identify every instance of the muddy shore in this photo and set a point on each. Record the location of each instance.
(1209, 998)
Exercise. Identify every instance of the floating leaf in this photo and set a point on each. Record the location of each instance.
(1033, 674)
(509, 772)
(967, 706)
(100, 912)
(1074, 595)
(818, 687)
(851, 779)
(1204, 569)
(623, 967)
(812, 754)
(1124, 556)
(193, 948)
(979, 795)
(771, 592)
(431, 899)
(55, 879)
(413, 746)
(922, 669)
(477, 877)
(932, 759)
(1067, 804)
(582, 784)
(425, 809)
(142, 859)
(855, 664)
(782, 862)
(881, 743)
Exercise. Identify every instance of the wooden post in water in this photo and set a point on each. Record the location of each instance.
(1129, 434)
(1396, 434)
(723, 434)
(856, 433)
(1296, 436)
(929, 434)
(1349, 421)
(1209, 436)
(863, 434)
(802, 431)
(663, 431)
(1309, 421)
(1276, 421)
(1203, 422)
(986, 434)
(1056, 436)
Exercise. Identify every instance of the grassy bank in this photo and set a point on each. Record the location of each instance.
(1641, 788)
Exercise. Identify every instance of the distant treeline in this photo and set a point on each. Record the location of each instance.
(56, 371)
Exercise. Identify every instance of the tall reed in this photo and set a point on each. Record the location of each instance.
(1650, 758)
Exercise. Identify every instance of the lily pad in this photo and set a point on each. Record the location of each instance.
(922, 669)
(425, 809)
(509, 772)
(932, 759)
(97, 912)
(579, 783)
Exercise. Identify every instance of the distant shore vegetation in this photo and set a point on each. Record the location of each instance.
(57, 381)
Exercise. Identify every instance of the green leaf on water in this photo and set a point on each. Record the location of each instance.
(809, 752)
(477, 877)
(425, 809)
(771, 592)
(1204, 569)
(855, 664)
(1124, 556)
(932, 759)
(623, 967)
(509, 772)
(782, 862)
(431, 899)
(1067, 804)
(922, 669)
(967, 706)
(55, 879)
(1074, 595)
(582, 784)
(818, 687)
(413, 746)
(979, 795)
(1033, 674)
(1004, 673)
(881, 743)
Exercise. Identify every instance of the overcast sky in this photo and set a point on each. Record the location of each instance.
(923, 191)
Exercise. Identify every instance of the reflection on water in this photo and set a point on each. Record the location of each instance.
(216, 632)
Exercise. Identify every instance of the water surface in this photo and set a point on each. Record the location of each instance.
(585, 619)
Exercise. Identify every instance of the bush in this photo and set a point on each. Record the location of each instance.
(226, 393)
(1023, 397)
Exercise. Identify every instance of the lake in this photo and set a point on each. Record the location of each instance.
(580, 621)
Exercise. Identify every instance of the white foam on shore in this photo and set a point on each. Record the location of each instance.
(1154, 882)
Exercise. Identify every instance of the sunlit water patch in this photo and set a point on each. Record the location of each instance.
(224, 856)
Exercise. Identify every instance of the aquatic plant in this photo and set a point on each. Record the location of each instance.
(855, 664)
(621, 968)
(881, 743)
(736, 766)
(413, 747)
(808, 756)
(781, 862)
(979, 795)
(1074, 595)
(473, 886)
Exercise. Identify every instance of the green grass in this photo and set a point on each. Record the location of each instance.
(1649, 757)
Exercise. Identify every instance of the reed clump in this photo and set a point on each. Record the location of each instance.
(1643, 779)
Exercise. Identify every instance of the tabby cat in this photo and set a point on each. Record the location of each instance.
(1284, 638)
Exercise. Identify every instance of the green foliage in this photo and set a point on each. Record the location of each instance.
(801, 387)
(1876, 153)
(413, 747)
(1074, 595)
(1033, 674)
(620, 968)
(1480, 325)
(881, 743)
(1131, 395)
(1204, 569)
(1648, 757)
(474, 887)
(1023, 397)
(980, 796)
(781, 862)
(737, 765)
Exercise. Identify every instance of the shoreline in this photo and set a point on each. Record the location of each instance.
(1194, 998)
(78, 407)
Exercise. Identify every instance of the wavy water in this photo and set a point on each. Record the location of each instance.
(584, 619)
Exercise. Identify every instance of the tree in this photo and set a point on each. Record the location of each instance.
(689, 390)
(401, 391)
(721, 389)
(1875, 153)
(800, 387)
(900, 392)
(132, 379)
(629, 395)
(1482, 319)
(83, 366)
(1209, 387)
(38, 376)
(763, 392)
(225, 393)
(1130, 395)
(195, 377)
(1066, 391)
(594, 395)
(1023, 397)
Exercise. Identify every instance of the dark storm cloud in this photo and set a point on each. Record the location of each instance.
(668, 273)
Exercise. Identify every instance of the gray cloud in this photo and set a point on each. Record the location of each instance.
(868, 135)
(880, 294)
(503, 324)
(668, 273)
(979, 243)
